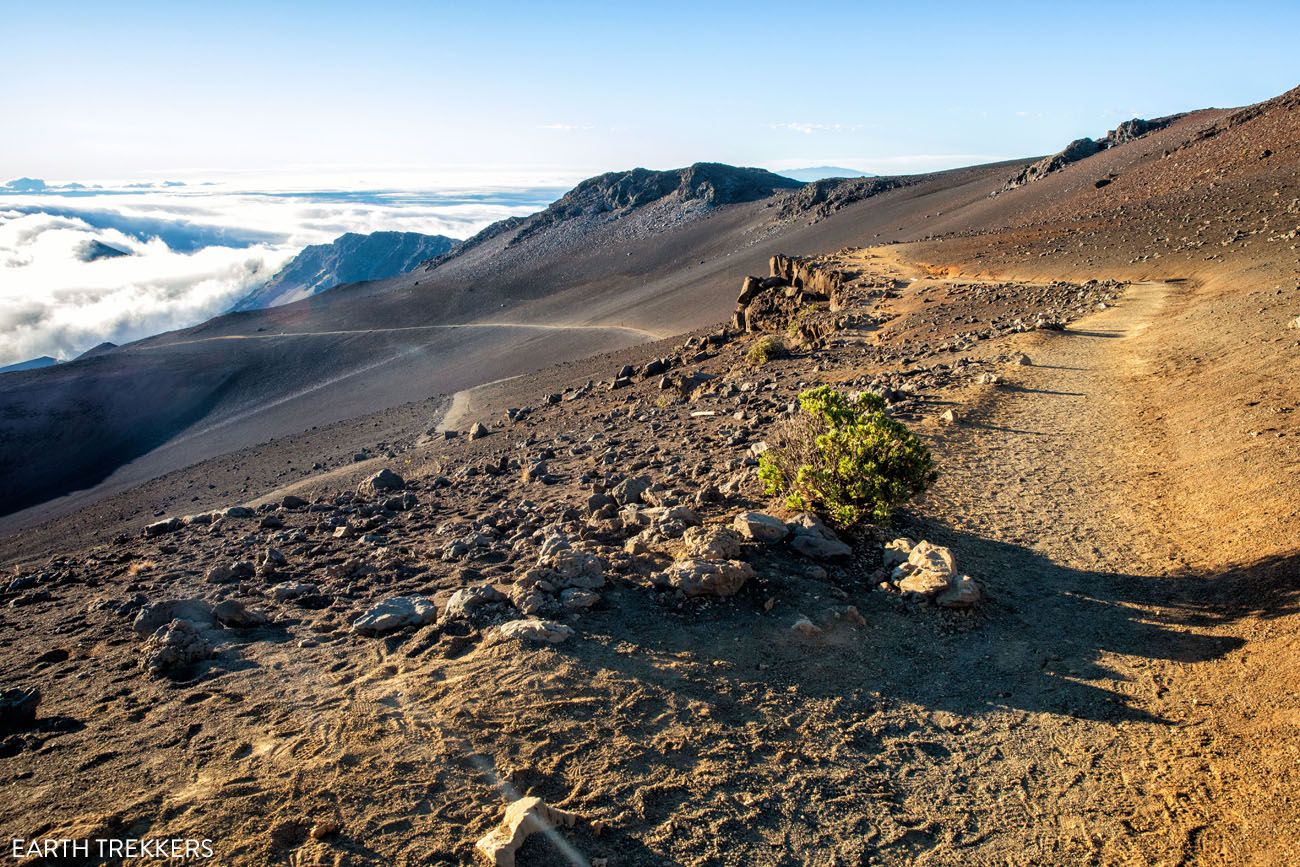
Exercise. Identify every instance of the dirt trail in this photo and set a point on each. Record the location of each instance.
(527, 326)
(1048, 491)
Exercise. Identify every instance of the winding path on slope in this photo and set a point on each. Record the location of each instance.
(527, 326)
(1139, 748)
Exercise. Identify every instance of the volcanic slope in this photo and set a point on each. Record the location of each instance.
(1124, 692)
(623, 258)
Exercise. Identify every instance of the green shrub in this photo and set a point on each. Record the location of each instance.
(844, 459)
(764, 349)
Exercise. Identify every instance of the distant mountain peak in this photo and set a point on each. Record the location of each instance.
(809, 174)
(1081, 149)
(703, 185)
(712, 183)
(92, 251)
(349, 258)
(30, 364)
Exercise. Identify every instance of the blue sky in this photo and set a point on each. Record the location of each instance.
(130, 90)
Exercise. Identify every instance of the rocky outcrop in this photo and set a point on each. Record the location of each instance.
(615, 194)
(1083, 148)
(820, 199)
(710, 183)
(772, 303)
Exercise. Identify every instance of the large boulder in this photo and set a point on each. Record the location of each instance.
(158, 614)
(630, 490)
(175, 647)
(395, 613)
(760, 527)
(382, 482)
(705, 577)
(536, 629)
(813, 539)
(710, 543)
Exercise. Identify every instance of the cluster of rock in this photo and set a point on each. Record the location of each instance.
(180, 633)
(772, 303)
(928, 572)
(1083, 148)
(819, 199)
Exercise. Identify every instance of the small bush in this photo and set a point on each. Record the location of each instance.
(844, 459)
(765, 349)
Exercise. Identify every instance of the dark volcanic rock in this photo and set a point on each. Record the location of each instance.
(18, 708)
(93, 251)
(617, 193)
(1083, 148)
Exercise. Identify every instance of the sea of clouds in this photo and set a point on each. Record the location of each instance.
(194, 249)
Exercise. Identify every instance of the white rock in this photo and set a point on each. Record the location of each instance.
(536, 629)
(710, 543)
(525, 817)
(395, 613)
(897, 551)
(933, 558)
(924, 583)
(760, 527)
(706, 577)
(962, 592)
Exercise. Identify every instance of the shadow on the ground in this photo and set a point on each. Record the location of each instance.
(1043, 641)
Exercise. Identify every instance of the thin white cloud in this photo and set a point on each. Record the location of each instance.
(567, 127)
(810, 128)
(894, 164)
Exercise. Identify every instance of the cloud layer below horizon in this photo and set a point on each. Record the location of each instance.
(193, 251)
